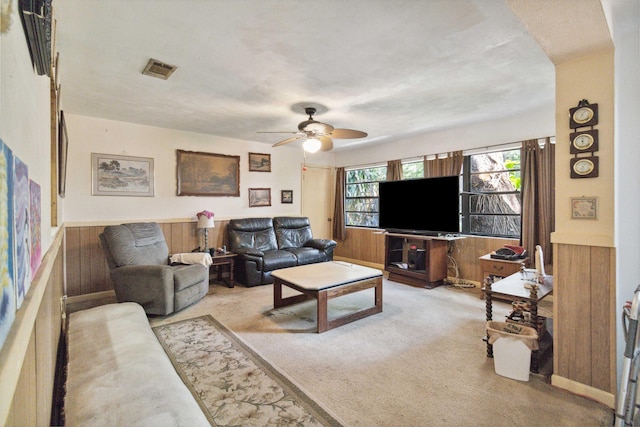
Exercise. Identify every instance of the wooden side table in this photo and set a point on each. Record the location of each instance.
(499, 268)
(219, 260)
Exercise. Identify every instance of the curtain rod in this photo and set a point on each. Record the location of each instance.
(506, 145)
(479, 150)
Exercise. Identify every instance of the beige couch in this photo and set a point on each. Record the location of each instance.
(119, 375)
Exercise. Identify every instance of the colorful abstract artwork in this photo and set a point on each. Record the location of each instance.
(8, 298)
(34, 226)
(22, 237)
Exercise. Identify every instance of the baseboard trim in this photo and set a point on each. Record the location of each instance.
(83, 302)
(359, 262)
(90, 297)
(574, 387)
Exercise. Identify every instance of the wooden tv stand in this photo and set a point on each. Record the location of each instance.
(426, 266)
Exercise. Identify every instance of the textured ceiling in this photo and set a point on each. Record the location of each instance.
(391, 68)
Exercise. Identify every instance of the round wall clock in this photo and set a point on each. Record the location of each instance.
(584, 114)
(584, 142)
(584, 167)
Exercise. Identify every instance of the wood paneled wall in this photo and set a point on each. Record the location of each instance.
(87, 270)
(362, 244)
(366, 244)
(28, 358)
(584, 315)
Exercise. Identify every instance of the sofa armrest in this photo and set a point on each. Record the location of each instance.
(149, 285)
(321, 244)
(251, 255)
(249, 251)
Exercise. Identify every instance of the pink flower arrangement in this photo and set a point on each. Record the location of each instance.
(206, 213)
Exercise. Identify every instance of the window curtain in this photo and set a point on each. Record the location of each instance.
(538, 198)
(449, 165)
(339, 227)
(394, 170)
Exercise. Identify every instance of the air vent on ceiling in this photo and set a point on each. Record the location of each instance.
(159, 69)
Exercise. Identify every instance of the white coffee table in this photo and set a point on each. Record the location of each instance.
(324, 281)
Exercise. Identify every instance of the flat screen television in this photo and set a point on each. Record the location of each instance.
(429, 206)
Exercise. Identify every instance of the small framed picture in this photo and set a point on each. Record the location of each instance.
(259, 162)
(287, 196)
(259, 197)
(584, 208)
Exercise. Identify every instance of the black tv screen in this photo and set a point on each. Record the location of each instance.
(420, 206)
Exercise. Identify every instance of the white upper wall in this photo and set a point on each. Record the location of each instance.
(92, 135)
(537, 124)
(25, 116)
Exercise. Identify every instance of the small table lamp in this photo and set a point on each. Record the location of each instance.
(205, 221)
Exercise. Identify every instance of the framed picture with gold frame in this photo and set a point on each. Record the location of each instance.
(208, 174)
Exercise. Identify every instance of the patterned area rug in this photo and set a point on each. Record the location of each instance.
(232, 383)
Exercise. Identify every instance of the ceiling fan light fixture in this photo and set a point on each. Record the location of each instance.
(311, 145)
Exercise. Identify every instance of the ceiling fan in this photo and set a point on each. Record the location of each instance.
(318, 135)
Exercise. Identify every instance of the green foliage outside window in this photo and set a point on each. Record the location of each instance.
(361, 196)
(491, 202)
(413, 170)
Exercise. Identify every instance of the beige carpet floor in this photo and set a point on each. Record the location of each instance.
(421, 362)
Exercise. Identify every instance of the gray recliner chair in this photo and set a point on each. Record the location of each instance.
(138, 259)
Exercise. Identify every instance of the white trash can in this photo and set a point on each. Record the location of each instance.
(512, 346)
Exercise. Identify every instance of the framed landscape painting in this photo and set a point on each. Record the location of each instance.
(208, 174)
(117, 175)
(259, 197)
(259, 162)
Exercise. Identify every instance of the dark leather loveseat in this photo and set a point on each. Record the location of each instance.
(267, 244)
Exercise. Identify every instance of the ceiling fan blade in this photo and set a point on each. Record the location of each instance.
(288, 140)
(347, 133)
(279, 132)
(327, 143)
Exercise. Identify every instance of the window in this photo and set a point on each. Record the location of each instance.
(413, 169)
(491, 197)
(361, 193)
(361, 196)
(490, 201)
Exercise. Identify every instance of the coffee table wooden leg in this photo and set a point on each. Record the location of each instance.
(378, 295)
(322, 311)
(277, 294)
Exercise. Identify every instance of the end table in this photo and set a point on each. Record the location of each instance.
(498, 268)
(219, 260)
